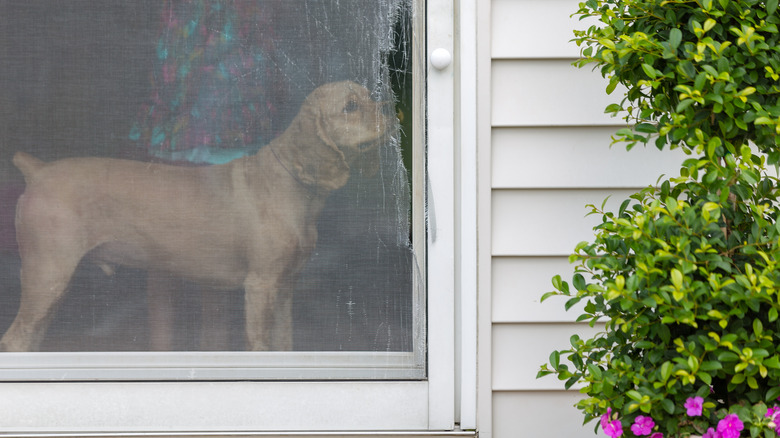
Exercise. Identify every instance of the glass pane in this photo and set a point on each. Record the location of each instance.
(207, 175)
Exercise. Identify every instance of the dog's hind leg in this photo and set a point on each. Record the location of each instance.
(43, 285)
(51, 248)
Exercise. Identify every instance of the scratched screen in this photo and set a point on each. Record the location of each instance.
(206, 175)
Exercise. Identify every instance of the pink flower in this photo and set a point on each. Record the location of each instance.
(605, 418)
(642, 425)
(612, 428)
(711, 433)
(730, 426)
(694, 406)
(772, 414)
(657, 435)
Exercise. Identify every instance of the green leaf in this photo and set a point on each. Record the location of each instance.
(771, 7)
(543, 373)
(772, 362)
(668, 405)
(710, 211)
(677, 279)
(684, 104)
(613, 82)
(758, 327)
(666, 370)
(700, 81)
(728, 356)
(650, 302)
(750, 176)
(687, 69)
(675, 37)
(649, 70)
(607, 43)
(578, 281)
(634, 395)
(555, 359)
(646, 128)
(772, 393)
(594, 371)
(712, 145)
(612, 108)
(645, 345)
(711, 365)
(548, 295)
(710, 69)
(709, 24)
(572, 302)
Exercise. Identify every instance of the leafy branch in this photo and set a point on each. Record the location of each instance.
(685, 274)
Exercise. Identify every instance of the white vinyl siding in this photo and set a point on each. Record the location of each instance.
(550, 156)
(538, 92)
(538, 414)
(567, 156)
(540, 222)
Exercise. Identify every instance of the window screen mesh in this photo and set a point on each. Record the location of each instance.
(271, 206)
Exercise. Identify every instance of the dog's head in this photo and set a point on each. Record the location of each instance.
(349, 127)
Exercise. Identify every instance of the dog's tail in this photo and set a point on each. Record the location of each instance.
(27, 164)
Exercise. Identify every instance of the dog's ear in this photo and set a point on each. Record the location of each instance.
(322, 164)
(322, 133)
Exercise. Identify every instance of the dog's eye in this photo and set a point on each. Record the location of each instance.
(351, 107)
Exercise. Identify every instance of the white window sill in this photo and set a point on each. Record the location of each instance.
(210, 408)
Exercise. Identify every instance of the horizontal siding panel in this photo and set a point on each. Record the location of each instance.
(560, 157)
(520, 349)
(519, 283)
(535, 28)
(546, 222)
(539, 415)
(549, 93)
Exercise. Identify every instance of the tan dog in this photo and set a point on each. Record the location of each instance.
(250, 223)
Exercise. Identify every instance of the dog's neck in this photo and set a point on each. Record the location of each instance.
(311, 189)
(274, 164)
(306, 157)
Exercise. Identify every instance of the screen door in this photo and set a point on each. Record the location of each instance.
(231, 177)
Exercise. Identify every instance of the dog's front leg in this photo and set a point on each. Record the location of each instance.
(282, 331)
(268, 308)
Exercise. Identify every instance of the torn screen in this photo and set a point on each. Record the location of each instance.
(206, 175)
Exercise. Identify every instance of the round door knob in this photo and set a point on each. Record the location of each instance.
(441, 58)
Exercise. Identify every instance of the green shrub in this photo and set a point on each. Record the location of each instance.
(685, 276)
